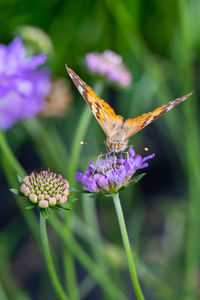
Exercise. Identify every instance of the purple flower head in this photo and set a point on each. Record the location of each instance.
(22, 88)
(110, 174)
(110, 65)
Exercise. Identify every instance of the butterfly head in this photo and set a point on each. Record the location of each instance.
(116, 143)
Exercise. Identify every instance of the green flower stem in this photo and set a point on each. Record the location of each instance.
(10, 163)
(114, 292)
(127, 246)
(11, 168)
(149, 278)
(55, 159)
(47, 253)
(189, 132)
(72, 168)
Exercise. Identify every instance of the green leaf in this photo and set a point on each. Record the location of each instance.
(79, 191)
(93, 196)
(123, 188)
(30, 206)
(136, 179)
(14, 191)
(63, 207)
(20, 179)
(132, 182)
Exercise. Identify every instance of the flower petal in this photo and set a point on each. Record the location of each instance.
(111, 174)
(92, 186)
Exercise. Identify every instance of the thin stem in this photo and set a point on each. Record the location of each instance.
(127, 247)
(151, 280)
(47, 253)
(189, 135)
(49, 153)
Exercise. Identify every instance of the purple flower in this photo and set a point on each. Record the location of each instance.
(110, 174)
(110, 65)
(22, 88)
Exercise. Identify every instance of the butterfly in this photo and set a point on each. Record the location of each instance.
(118, 130)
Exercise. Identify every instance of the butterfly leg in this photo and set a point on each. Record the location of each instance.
(99, 157)
(127, 154)
(114, 161)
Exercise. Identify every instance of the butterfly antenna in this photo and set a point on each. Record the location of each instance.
(146, 149)
(86, 143)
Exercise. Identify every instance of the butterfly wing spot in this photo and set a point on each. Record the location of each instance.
(95, 105)
(81, 89)
(99, 117)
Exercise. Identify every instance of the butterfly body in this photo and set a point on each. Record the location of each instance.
(115, 145)
(118, 130)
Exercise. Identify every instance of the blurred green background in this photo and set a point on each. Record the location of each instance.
(159, 41)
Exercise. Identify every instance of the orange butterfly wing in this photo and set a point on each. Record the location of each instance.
(113, 124)
(131, 126)
(102, 111)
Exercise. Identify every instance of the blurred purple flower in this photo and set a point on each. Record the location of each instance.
(110, 65)
(109, 175)
(22, 88)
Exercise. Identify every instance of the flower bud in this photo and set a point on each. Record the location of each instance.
(66, 192)
(43, 203)
(33, 198)
(63, 199)
(45, 188)
(25, 190)
(52, 201)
